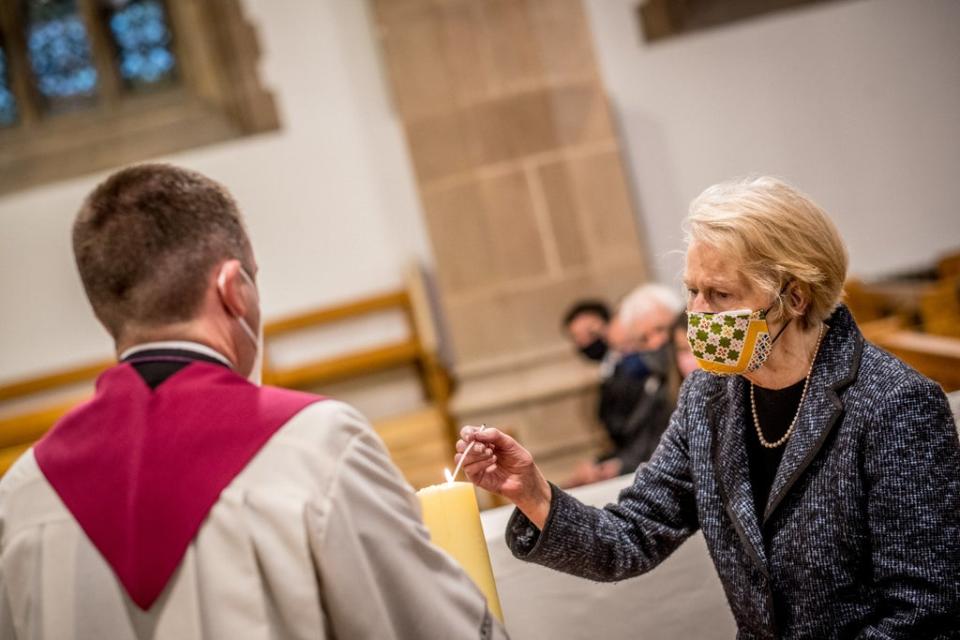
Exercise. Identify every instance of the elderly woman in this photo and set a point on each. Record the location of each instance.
(823, 472)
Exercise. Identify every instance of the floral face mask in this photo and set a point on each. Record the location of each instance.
(730, 342)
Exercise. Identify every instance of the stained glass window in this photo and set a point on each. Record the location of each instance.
(142, 37)
(59, 51)
(77, 76)
(8, 106)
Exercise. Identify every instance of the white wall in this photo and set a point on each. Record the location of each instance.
(857, 103)
(329, 200)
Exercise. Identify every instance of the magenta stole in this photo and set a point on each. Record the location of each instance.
(140, 469)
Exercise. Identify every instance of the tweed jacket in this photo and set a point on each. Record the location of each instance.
(860, 537)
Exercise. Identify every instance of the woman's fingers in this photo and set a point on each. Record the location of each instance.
(467, 432)
(474, 455)
(489, 435)
(493, 460)
(477, 449)
(479, 467)
(484, 442)
(482, 450)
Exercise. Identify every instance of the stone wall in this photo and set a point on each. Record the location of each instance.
(521, 180)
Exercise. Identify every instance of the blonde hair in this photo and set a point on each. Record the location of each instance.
(779, 239)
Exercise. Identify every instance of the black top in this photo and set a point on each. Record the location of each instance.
(635, 409)
(776, 409)
(156, 365)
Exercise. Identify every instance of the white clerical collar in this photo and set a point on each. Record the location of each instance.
(182, 345)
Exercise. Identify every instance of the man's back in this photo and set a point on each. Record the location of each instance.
(185, 500)
(318, 536)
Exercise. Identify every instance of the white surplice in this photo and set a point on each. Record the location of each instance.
(318, 537)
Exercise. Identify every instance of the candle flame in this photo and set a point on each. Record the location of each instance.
(448, 475)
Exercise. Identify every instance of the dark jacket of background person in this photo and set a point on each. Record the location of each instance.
(635, 411)
(861, 534)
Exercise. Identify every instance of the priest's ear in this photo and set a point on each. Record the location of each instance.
(233, 284)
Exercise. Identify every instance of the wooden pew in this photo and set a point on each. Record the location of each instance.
(19, 431)
(916, 320)
(882, 298)
(940, 308)
(865, 304)
(937, 357)
(420, 441)
(948, 266)
(876, 330)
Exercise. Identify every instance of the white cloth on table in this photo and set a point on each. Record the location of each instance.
(682, 598)
(954, 399)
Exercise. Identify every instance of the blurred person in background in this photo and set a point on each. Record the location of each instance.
(636, 400)
(585, 324)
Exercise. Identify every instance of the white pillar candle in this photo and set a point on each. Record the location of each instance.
(452, 517)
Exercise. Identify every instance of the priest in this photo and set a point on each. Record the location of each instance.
(187, 501)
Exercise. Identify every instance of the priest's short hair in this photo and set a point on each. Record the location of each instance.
(147, 239)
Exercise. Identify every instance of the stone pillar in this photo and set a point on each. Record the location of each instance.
(522, 184)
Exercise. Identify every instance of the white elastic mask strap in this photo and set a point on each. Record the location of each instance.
(247, 330)
(221, 283)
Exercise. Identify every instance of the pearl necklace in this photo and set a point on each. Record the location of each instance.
(806, 383)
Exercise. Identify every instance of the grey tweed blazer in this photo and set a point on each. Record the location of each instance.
(860, 537)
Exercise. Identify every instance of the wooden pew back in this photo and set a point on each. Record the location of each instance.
(937, 357)
(940, 308)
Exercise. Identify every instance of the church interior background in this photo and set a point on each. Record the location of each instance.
(429, 184)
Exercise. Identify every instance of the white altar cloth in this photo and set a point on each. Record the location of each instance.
(681, 598)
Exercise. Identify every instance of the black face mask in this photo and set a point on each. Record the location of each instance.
(596, 350)
(661, 359)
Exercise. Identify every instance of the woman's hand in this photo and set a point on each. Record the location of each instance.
(497, 463)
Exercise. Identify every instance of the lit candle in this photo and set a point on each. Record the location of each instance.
(452, 517)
